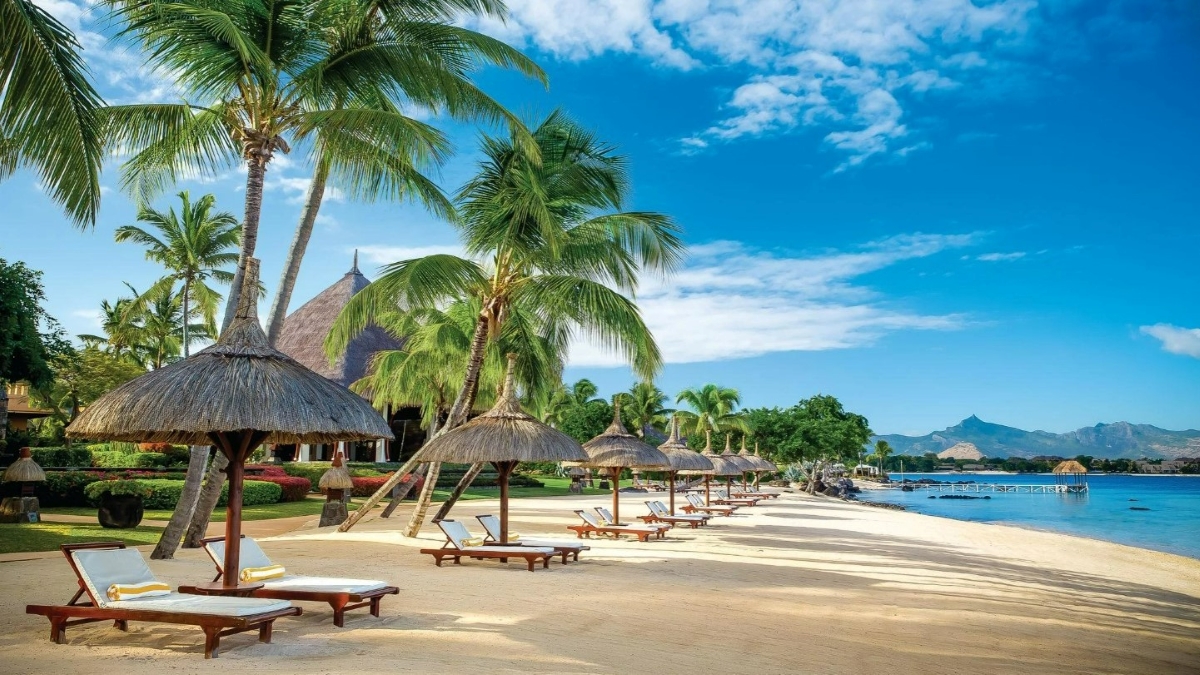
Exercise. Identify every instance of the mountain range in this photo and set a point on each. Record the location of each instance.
(1119, 440)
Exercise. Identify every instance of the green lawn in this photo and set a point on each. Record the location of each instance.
(308, 507)
(16, 538)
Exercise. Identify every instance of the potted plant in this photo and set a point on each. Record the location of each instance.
(120, 502)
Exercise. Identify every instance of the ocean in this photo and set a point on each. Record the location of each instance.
(1111, 509)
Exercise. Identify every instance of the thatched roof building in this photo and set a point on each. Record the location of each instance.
(304, 331)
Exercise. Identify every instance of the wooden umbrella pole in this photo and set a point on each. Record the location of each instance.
(707, 493)
(671, 483)
(616, 480)
(503, 469)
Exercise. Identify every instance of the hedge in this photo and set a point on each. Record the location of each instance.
(76, 457)
(65, 488)
(295, 488)
(313, 470)
(165, 493)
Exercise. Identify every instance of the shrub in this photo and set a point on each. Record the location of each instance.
(365, 486)
(111, 459)
(164, 494)
(294, 488)
(154, 447)
(65, 488)
(268, 469)
(313, 470)
(73, 457)
(95, 491)
(540, 468)
(158, 460)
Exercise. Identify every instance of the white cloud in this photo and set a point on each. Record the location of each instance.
(1001, 257)
(385, 255)
(731, 301)
(93, 316)
(297, 188)
(1177, 340)
(846, 66)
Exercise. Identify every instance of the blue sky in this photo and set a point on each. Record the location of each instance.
(927, 209)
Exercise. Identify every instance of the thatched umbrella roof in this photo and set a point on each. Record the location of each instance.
(767, 464)
(754, 460)
(721, 466)
(238, 384)
(337, 476)
(682, 457)
(616, 447)
(24, 470)
(742, 463)
(1070, 466)
(504, 433)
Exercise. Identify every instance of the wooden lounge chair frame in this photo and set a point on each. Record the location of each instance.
(214, 626)
(449, 550)
(654, 517)
(587, 529)
(606, 518)
(664, 511)
(731, 501)
(568, 552)
(719, 509)
(340, 602)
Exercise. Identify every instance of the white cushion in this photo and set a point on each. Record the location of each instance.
(548, 543)
(251, 555)
(456, 532)
(506, 549)
(323, 584)
(103, 567)
(491, 524)
(203, 604)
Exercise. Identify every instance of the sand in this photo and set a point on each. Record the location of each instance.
(797, 585)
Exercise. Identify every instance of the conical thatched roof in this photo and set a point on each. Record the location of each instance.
(337, 476)
(721, 466)
(682, 457)
(303, 334)
(616, 447)
(767, 464)
(503, 434)
(742, 463)
(238, 384)
(754, 460)
(24, 470)
(1070, 466)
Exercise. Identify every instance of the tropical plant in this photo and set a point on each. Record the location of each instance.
(30, 339)
(643, 406)
(711, 409)
(883, 450)
(437, 63)
(554, 404)
(81, 377)
(193, 245)
(553, 241)
(48, 109)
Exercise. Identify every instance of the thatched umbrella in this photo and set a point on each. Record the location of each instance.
(503, 436)
(1072, 475)
(720, 467)
(24, 508)
(757, 464)
(764, 463)
(236, 394)
(682, 458)
(743, 465)
(616, 449)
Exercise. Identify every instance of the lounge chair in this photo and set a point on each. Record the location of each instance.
(662, 509)
(658, 515)
(696, 505)
(755, 495)
(606, 517)
(491, 525)
(101, 565)
(460, 544)
(338, 592)
(723, 497)
(592, 526)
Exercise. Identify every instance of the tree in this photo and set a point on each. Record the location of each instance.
(585, 422)
(711, 410)
(437, 65)
(643, 406)
(81, 377)
(816, 430)
(556, 243)
(48, 109)
(194, 246)
(883, 450)
(30, 339)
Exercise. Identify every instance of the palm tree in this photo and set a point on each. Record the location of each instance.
(48, 109)
(712, 409)
(643, 405)
(273, 74)
(194, 245)
(441, 60)
(883, 450)
(119, 338)
(556, 244)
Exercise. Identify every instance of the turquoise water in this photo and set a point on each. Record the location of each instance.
(1171, 524)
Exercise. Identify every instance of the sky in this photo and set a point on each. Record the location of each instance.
(927, 208)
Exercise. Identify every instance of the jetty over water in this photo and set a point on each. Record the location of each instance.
(993, 487)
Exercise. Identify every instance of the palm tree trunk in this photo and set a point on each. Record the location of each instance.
(295, 254)
(418, 515)
(168, 542)
(256, 169)
(187, 283)
(458, 414)
(210, 494)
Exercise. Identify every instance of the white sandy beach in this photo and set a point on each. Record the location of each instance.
(797, 584)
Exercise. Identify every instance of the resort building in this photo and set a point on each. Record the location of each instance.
(20, 410)
(303, 339)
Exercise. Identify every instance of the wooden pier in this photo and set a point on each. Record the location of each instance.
(993, 487)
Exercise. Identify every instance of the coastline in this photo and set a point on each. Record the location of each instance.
(797, 584)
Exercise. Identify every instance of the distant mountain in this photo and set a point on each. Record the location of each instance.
(1120, 440)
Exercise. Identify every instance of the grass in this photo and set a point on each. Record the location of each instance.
(308, 507)
(19, 538)
(555, 487)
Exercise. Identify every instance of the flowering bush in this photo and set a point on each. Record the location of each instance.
(294, 488)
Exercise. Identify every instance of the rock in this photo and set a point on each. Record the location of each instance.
(1138, 508)
(961, 451)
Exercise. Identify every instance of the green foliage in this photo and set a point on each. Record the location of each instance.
(61, 457)
(164, 494)
(116, 459)
(29, 338)
(644, 405)
(65, 488)
(95, 491)
(815, 428)
(314, 470)
(585, 422)
(710, 408)
(81, 377)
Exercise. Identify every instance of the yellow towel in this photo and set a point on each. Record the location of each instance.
(146, 589)
(473, 541)
(262, 573)
(513, 536)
